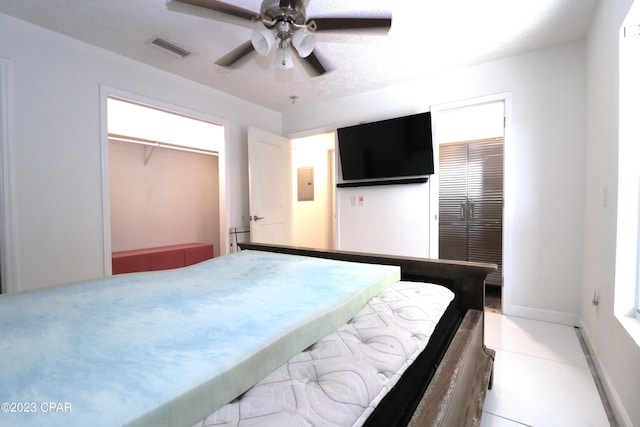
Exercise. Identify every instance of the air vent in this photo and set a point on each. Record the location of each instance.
(169, 47)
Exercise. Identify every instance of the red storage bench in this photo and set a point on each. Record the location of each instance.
(162, 258)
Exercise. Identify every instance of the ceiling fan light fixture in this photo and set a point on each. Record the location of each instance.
(263, 41)
(284, 59)
(304, 42)
(285, 25)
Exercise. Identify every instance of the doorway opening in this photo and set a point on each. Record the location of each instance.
(471, 188)
(163, 182)
(303, 214)
(313, 161)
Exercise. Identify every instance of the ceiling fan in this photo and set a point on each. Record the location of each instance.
(286, 25)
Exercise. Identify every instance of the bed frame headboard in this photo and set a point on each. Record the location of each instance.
(465, 279)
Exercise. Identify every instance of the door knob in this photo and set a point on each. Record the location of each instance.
(257, 218)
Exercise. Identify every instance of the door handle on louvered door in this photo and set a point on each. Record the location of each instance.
(257, 218)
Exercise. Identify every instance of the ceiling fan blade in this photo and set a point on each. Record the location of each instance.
(222, 7)
(337, 24)
(236, 54)
(314, 66)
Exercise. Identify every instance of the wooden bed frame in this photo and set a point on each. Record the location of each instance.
(455, 393)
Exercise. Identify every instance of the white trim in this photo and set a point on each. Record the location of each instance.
(223, 181)
(104, 165)
(619, 411)
(8, 250)
(434, 188)
(631, 324)
(637, 305)
(550, 316)
(508, 191)
(634, 330)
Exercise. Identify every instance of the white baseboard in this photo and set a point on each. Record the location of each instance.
(562, 318)
(619, 411)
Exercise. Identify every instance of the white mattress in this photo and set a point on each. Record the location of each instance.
(341, 379)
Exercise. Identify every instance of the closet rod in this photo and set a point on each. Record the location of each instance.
(152, 143)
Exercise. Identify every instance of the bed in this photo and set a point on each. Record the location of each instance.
(446, 386)
(155, 349)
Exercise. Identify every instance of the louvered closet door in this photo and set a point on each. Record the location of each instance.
(453, 198)
(485, 171)
(471, 200)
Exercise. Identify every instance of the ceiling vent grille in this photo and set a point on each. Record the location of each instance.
(169, 47)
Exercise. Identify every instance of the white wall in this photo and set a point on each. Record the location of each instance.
(617, 354)
(170, 200)
(481, 121)
(390, 219)
(544, 171)
(56, 145)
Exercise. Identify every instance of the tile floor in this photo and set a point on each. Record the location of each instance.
(541, 376)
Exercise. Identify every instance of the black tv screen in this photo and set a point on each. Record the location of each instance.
(393, 148)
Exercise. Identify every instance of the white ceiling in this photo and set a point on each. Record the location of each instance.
(426, 36)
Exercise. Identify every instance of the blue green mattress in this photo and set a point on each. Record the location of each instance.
(151, 349)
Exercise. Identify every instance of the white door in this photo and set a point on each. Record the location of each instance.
(269, 187)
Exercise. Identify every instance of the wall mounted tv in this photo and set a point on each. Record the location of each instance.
(387, 150)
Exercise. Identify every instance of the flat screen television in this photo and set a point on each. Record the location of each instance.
(394, 148)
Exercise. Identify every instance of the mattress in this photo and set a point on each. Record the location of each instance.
(167, 348)
(340, 380)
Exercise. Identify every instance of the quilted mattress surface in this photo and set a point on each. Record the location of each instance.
(341, 379)
(167, 348)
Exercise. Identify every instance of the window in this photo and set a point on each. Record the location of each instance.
(627, 287)
(630, 59)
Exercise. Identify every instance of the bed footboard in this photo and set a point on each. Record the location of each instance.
(456, 393)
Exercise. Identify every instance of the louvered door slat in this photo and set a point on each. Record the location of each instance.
(486, 200)
(453, 198)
